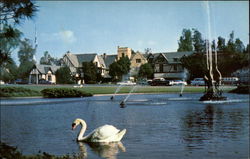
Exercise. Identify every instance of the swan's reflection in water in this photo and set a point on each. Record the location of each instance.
(104, 150)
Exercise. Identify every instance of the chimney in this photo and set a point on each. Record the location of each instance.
(104, 56)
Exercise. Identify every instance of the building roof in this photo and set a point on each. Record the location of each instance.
(171, 56)
(109, 59)
(89, 57)
(43, 69)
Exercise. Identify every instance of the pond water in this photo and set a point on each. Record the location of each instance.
(158, 126)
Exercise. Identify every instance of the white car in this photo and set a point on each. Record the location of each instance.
(198, 82)
(126, 83)
(178, 82)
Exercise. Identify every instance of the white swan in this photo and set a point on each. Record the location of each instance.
(105, 133)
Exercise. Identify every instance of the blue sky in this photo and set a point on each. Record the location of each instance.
(101, 26)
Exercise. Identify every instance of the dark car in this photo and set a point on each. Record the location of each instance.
(21, 81)
(160, 82)
(43, 81)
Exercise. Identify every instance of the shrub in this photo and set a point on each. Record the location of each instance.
(64, 92)
(242, 89)
(17, 91)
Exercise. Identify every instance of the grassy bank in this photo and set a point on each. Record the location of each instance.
(11, 152)
(106, 89)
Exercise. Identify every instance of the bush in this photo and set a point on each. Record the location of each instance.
(64, 93)
(17, 91)
(11, 152)
(242, 89)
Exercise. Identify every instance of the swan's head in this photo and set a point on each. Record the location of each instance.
(76, 123)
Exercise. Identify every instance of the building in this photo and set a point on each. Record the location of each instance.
(43, 72)
(136, 60)
(74, 62)
(167, 65)
(123, 51)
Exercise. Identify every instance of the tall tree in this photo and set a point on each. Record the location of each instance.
(221, 44)
(25, 55)
(198, 42)
(12, 12)
(119, 68)
(47, 59)
(26, 51)
(90, 71)
(231, 44)
(9, 72)
(8, 45)
(185, 42)
(239, 46)
(16, 10)
(63, 76)
(146, 71)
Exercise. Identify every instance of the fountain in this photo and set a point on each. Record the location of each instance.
(212, 78)
(122, 104)
(116, 91)
(184, 76)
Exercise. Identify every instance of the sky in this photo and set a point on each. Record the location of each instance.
(100, 26)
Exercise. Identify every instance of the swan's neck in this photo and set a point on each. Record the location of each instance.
(82, 131)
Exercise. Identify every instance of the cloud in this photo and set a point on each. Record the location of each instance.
(151, 43)
(67, 36)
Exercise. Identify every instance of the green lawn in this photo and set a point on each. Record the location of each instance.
(104, 89)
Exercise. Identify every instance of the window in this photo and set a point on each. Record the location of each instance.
(123, 54)
(138, 60)
(175, 67)
(49, 78)
(175, 59)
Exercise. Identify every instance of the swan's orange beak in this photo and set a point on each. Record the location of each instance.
(73, 126)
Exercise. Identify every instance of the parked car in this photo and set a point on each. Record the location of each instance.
(178, 82)
(160, 82)
(198, 82)
(43, 81)
(230, 80)
(126, 83)
(21, 81)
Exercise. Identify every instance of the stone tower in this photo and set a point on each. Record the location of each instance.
(123, 51)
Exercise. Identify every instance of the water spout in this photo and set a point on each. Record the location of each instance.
(116, 91)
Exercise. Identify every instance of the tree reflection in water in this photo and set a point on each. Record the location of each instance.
(202, 127)
(104, 150)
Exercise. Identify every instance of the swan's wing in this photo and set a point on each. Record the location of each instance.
(104, 132)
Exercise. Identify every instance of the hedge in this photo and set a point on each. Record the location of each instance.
(242, 89)
(64, 93)
(17, 92)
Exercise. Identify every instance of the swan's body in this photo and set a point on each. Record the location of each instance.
(105, 133)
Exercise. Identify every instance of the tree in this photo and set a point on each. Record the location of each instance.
(25, 55)
(63, 76)
(114, 71)
(247, 49)
(148, 50)
(221, 45)
(119, 68)
(198, 42)
(16, 10)
(90, 71)
(12, 12)
(26, 51)
(8, 45)
(9, 72)
(47, 59)
(185, 42)
(239, 46)
(146, 70)
(195, 64)
(230, 44)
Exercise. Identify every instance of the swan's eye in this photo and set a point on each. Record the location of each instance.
(73, 124)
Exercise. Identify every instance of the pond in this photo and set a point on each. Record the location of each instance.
(158, 126)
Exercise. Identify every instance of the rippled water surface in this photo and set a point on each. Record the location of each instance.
(158, 126)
